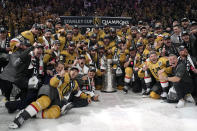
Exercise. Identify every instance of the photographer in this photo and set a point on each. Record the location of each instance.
(181, 80)
(25, 70)
(190, 63)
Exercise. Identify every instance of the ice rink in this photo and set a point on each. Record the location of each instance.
(116, 112)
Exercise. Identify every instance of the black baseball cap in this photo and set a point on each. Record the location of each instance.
(39, 45)
(48, 30)
(118, 41)
(166, 37)
(93, 48)
(37, 26)
(140, 22)
(184, 19)
(81, 57)
(181, 48)
(2, 29)
(193, 23)
(92, 69)
(71, 43)
(94, 36)
(74, 68)
(107, 36)
(150, 35)
(184, 33)
(139, 44)
(132, 48)
(75, 27)
(143, 27)
(56, 42)
(157, 26)
(50, 20)
(133, 28)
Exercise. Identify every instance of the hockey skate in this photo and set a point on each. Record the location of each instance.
(146, 93)
(19, 119)
(190, 99)
(2, 105)
(180, 104)
(164, 95)
(125, 89)
(66, 108)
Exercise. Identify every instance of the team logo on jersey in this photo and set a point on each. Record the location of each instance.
(160, 63)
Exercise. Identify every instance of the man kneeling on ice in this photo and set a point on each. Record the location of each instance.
(181, 81)
(54, 100)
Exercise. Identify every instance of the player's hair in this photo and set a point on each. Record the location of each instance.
(172, 55)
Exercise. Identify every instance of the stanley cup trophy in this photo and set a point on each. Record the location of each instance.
(109, 79)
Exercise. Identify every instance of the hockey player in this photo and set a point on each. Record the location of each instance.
(80, 63)
(143, 37)
(140, 53)
(119, 56)
(105, 31)
(168, 47)
(131, 67)
(87, 83)
(61, 36)
(46, 39)
(34, 75)
(51, 57)
(50, 98)
(93, 56)
(65, 39)
(31, 35)
(153, 67)
(77, 36)
(101, 67)
(69, 55)
(93, 40)
(132, 39)
(123, 32)
(96, 31)
(108, 45)
(82, 49)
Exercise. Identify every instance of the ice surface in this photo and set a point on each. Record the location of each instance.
(116, 112)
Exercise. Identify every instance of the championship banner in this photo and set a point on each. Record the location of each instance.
(91, 21)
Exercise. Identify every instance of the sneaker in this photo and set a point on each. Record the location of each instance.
(180, 104)
(189, 98)
(125, 89)
(164, 95)
(66, 108)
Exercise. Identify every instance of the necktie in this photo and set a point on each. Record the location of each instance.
(179, 37)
